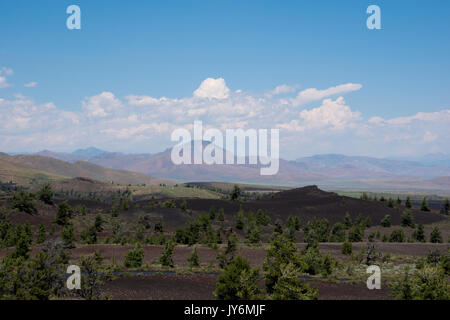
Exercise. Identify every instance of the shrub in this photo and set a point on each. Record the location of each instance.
(288, 286)
(262, 218)
(89, 235)
(317, 230)
(46, 194)
(281, 252)
(134, 257)
(168, 204)
(254, 234)
(159, 226)
(427, 283)
(23, 201)
(64, 213)
(41, 234)
(397, 235)
(347, 248)
(386, 221)
(293, 222)
(355, 234)
(338, 233)
(312, 262)
(407, 219)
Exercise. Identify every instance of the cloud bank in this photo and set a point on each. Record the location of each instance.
(313, 120)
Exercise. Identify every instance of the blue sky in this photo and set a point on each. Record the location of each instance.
(168, 48)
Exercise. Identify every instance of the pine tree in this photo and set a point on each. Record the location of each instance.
(41, 235)
(445, 207)
(46, 194)
(98, 223)
(347, 248)
(193, 259)
(408, 202)
(183, 205)
(435, 236)
(238, 281)
(347, 220)
(68, 236)
(221, 215)
(64, 213)
(240, 219)
(407, 219)
(236, 193)
(419, 235)
(386, 221)
(424, 205)
(390, 203)
(166, 256)
(134, 257)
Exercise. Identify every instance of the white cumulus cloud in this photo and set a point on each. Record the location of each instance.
(212, 88)
(313, 94)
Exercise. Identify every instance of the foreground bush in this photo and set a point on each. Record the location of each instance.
(289, 287)
(428, 283)
(238, 281)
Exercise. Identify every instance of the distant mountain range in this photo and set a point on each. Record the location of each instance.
(332, 171)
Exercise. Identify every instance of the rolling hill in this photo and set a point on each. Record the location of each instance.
(18, 174)
(25, 166)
